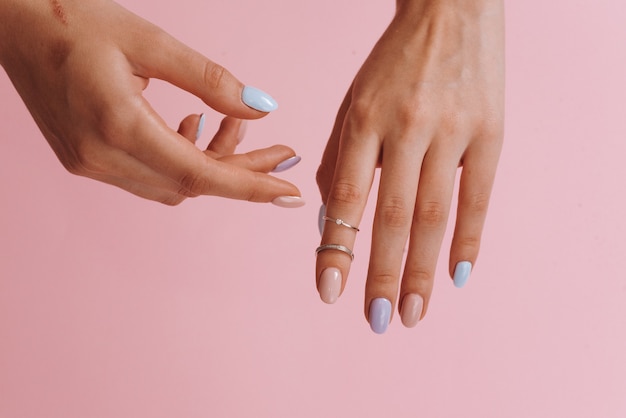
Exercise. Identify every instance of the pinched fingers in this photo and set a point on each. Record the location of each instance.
(177, 158)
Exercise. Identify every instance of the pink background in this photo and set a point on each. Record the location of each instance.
(111, 306)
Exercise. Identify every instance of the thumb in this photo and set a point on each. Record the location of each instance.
(172, 61)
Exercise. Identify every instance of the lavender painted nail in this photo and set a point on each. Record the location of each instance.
(320, 218)
(287, 164)
(379, 315)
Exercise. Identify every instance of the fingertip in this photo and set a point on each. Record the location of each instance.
(411, 309)
(191, 127)
(289, 202)
(461, 274)
(201, 123)
(257, 99)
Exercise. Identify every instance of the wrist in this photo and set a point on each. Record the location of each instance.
(472, 8)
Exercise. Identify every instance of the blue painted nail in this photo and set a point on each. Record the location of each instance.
(287, 164)
(461, 273)
(200, 126)
(258, 99)
(320, 218)
(380, 313)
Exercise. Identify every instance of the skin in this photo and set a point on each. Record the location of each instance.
(428, 100)
(81, 67)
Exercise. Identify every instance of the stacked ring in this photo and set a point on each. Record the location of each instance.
(334, 247)
(340, 222)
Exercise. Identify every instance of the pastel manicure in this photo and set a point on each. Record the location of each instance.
(462, 272)
(289, 202)
(411, 310)
(330, 285)
(287, 164)
(258, 99)
(379, 315)
(320, 219)
(200, 125)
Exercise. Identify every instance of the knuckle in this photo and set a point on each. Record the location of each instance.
(252, 194)
(385, 279)
(412, 113)
(87, 160)
(477, 202)
(420, 277)
(345, 191)
(193, 184)
(468, 243)
(394, 212)
(173, 200)
(491, 128)
(453, 125)
(213, 75)
(418, 280)
(431, 214)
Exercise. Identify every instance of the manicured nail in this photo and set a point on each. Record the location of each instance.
(258, 99)
(379, 315)
(200, 126)
(461, 273)
(330, 285)
(320, 218)
(289, 201)
(287, 164)
(411, 311)
(243, 127)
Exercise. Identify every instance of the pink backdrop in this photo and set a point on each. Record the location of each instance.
(111, 306)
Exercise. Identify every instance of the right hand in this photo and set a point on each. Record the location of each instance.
(81, 68)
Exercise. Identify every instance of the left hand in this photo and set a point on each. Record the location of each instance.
(428, 99)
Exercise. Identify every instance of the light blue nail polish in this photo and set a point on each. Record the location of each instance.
(320, 218)
(379, 315)
(287, 164)
(200, 126)
(258, 99)
(462, 272)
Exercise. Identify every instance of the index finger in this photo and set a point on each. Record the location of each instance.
(352, 180)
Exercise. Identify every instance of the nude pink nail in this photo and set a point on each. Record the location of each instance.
(289, 201)
(330, 285)
(411, 311)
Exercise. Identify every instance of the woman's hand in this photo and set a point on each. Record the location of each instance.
(428, 99)
(81, 68)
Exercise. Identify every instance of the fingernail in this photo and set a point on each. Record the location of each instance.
(258, 99)
(379, 315)
(320, 218)
(287, 164)
(200, 126)
(330, 285)
(289, 201)
(462, 272)
(243, 127)
(411, 311)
